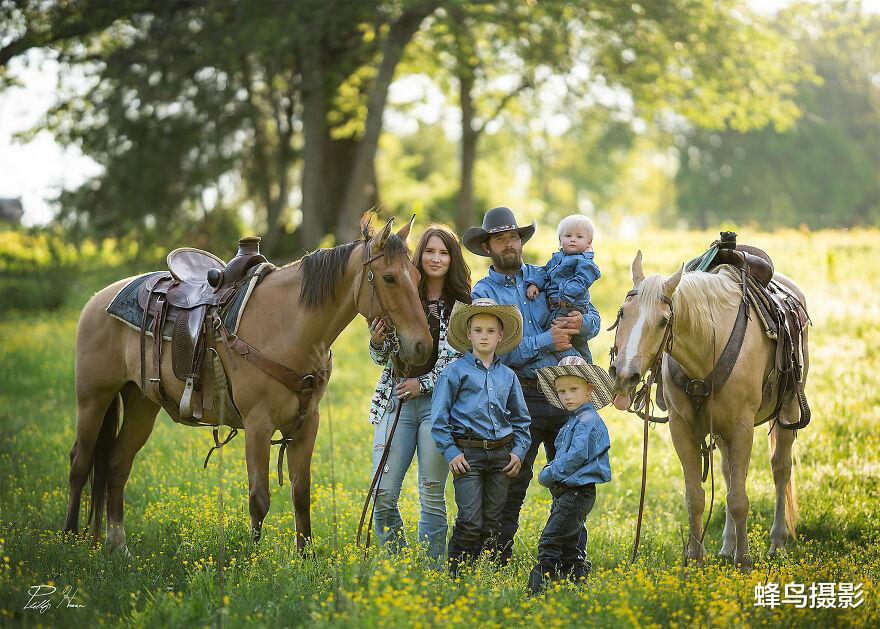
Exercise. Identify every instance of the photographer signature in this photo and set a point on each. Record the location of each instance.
(41, 598)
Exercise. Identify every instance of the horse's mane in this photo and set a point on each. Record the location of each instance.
(700, 299)
(323, 268)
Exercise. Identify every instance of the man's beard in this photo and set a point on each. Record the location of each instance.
(506, 261)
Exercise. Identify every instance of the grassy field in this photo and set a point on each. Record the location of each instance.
(188, 570)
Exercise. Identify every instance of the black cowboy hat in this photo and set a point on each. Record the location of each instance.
(498, 219)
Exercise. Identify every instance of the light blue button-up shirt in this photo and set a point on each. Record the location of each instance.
(486, 403)
(536, 349)
(581, 451)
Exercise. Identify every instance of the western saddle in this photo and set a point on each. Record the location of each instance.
(782, 315)
(191, 295)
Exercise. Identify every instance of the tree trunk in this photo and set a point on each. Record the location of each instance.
(311, 230)
(464, 214)
(360, 187)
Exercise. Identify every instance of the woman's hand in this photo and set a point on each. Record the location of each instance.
(378, 332)
(408, 389)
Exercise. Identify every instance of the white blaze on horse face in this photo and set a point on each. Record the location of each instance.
(632, 343)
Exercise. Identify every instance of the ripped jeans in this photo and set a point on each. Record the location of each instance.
(412, 435)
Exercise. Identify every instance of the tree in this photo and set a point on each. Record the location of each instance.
(823, 170)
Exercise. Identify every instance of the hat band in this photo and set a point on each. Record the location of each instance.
(501, 228)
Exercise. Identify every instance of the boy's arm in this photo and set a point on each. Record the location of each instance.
(520, 420)
(591, 322)
(588, 269)
(564, 464)
(535, 275)
(441, 406)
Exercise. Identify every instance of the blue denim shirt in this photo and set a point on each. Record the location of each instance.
(581, 451)
(566, 277)
(488, 402)
(536, 349)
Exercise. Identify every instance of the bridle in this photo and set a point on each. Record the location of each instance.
(367, 266)
(641, 396)
(395, 350)
(642, 399)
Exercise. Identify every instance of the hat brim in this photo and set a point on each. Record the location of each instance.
(509, 315)
(474, 238)
(603, 387)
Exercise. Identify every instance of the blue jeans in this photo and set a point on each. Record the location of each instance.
(412, 435)
(480, 494)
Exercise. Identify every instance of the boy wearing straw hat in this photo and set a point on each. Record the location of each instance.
(581, 462)
(480, 422)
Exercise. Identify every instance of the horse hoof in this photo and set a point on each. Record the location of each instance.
(255, 534)
(745, 564)
(776, 552)
(725, 557)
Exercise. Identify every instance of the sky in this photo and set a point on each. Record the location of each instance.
(37, 170)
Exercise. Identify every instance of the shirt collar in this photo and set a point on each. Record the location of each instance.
(586, 406)
(473, 360)
(504, 280)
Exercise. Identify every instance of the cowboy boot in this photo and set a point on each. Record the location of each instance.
(539, 576)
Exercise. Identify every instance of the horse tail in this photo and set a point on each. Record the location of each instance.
(100, 465)
(791, 505)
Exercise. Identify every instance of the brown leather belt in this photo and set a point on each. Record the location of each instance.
(528, 382)
(485, 444)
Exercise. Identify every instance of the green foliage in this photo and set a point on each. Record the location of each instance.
(174, 508)
(42, 269)
(823, 171)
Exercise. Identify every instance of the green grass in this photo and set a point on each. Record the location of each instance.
(187, 570)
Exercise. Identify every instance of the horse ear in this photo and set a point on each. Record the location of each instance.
(671, 284)
(403, 234)
(383, 237)
(637, 273)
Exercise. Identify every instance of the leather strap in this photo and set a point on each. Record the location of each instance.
(484, 444)
(698, 390)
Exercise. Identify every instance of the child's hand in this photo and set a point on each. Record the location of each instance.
(459, 465)
(532, 291)
(512, 468)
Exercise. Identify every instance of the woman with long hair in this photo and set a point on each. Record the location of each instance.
(445, 279)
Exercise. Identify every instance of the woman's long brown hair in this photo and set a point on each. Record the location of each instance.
(457, 283)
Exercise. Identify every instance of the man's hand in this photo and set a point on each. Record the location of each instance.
(459, 465)
(512, 468)
(574, 320)
(532, 292)
(561, 336)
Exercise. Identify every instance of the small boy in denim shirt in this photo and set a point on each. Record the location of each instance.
(581, 462)
(567, 277)
(480, 422)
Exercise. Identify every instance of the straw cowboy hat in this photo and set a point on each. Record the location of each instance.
(576, 366)
(511, 322)
(498, 219)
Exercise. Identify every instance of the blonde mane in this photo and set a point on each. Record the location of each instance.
(700, 299)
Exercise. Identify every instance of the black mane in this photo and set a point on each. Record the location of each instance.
(323, 268)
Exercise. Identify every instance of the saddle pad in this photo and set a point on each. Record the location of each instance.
(126, 308)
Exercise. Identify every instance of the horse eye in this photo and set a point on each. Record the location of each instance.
(388, 278)
(664, 322)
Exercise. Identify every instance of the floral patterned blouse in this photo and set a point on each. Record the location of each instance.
(383, 398)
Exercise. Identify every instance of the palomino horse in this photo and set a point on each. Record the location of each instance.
(293, 317)
(702, 308)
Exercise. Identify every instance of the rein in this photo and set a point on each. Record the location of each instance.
(644, 395)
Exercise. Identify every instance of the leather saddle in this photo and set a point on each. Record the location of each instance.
(784, 319)
(197, 284)
(725, 250)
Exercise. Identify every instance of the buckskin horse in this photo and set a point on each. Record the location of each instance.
(699, 310)
(292, 318)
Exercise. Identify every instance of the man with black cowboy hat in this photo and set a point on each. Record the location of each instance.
(544, 343)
